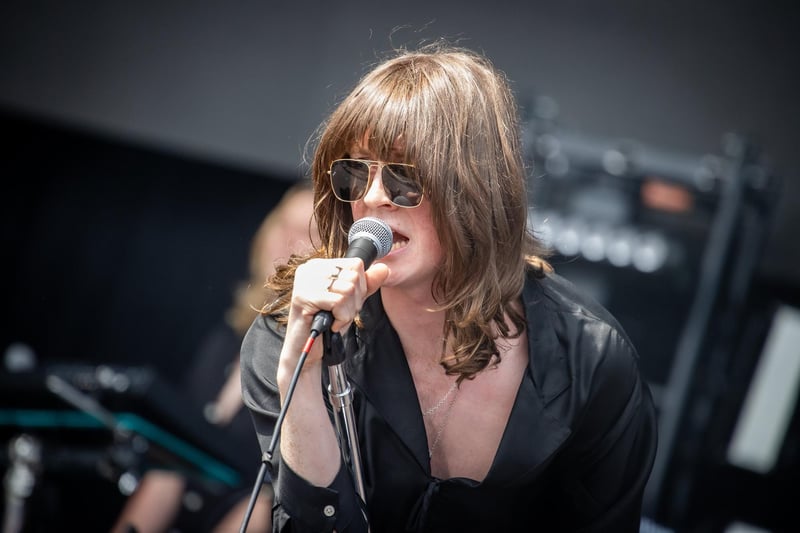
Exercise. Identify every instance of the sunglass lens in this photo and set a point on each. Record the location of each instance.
(349, 179)
(402, 185)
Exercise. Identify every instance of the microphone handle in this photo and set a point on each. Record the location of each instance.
(364, 249)
(322, 322)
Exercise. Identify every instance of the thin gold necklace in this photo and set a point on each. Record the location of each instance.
(453, 390)
(440, 403)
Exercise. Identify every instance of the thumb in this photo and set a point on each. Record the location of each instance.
(376, 275)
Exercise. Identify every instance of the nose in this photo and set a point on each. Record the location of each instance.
(376, 195)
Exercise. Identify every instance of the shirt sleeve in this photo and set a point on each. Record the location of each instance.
(299, 506)
(615, 441)
(302, 507)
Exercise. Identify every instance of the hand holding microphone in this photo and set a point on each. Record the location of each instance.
(369, 239)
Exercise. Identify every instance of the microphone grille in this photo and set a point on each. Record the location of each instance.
(374, 229)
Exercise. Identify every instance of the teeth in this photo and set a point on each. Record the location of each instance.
(396, 245)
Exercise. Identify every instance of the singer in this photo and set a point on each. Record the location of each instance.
(489, 394)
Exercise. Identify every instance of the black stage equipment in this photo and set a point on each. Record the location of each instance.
(669, 243)
(108, 424)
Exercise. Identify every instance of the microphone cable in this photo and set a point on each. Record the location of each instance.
(266, 457)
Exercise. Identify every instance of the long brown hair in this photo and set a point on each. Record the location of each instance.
(458, 120)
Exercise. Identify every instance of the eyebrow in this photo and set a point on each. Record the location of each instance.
(352, 155)
(369, 160)
(396, 156)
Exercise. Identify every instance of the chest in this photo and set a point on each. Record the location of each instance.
(464, 425)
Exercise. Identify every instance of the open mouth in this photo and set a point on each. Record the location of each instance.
(398, 241)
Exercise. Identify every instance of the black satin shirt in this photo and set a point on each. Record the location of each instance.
(575, 455)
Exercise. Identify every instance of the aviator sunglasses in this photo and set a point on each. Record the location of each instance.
(351, 178)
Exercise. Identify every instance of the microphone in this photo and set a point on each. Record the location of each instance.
(369, 239)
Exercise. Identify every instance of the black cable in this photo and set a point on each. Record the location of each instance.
(267, 456)
(262, 472)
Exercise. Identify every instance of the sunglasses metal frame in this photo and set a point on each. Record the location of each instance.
(369, 163)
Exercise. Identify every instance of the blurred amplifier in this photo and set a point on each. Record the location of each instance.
(629, 224)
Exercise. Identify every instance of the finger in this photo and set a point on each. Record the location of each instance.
(347, 291)
(376, 276)
(337, 285)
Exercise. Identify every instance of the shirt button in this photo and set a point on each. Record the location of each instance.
(329, 510)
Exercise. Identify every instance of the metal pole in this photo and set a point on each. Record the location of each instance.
(341, 397)
(25, 452)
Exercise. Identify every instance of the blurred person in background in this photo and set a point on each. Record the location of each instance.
(165, 500)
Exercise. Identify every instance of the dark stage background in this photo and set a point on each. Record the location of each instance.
(142, 145)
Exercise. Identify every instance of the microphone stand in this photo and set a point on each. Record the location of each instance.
(341, 397)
